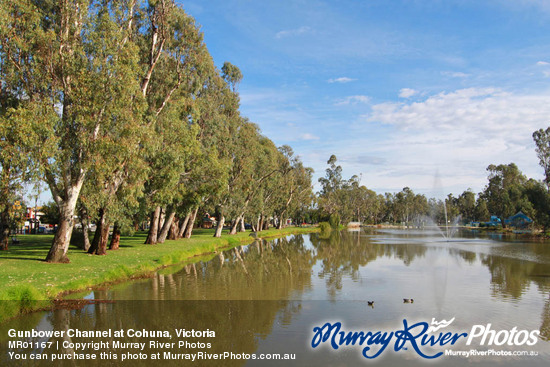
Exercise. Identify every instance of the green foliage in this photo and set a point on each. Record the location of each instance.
(466, 206)
(334, 220)
(504, 192)
(120, 107)
(16, 169)
(542, 141)
(540, 198)
(51, 213)
(231, 74)
(325, 227)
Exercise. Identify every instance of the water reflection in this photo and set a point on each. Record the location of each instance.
(265, 297)
(274, 270)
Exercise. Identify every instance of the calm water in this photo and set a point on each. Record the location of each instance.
(267, 298)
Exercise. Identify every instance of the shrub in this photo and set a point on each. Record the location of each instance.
(334, 220)
(325, 227)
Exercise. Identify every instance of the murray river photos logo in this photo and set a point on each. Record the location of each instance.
(425, 339)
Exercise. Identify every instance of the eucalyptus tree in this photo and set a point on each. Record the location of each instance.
(375, 207)
(255, 176)
(504, 191)
(540, 199)
(245, 150)
(537, 192)
(367, 205)
(389, 207)
(176, 64)
(295, 188)
(404, 203)
(542, 142)
(69, 59)
(481, 211)
(167, 164)
(216, 116)
(452, 207)
(466, 205)
(16, 168)
(353, 201)
(271, 169)
(245, 163)
(232, 75)
(331, 184)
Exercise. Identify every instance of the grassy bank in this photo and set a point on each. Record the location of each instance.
(28, 283)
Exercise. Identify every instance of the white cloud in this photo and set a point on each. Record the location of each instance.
(343, 79)
(407, 92)
(293, 32)
(459, 133)
(308, 136)
(455, 74)
(543, 63)
(353, 100)
(482, 109)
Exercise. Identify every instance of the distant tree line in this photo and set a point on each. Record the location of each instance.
(507, 192)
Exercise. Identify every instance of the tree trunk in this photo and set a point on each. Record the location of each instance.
(161, 219)
(166, 227)
(136, 226)
(102, 248)
(62, 238)
(243, 228)
(4, 229)
(174, 230)
(221, 221)
(115, 239)
(219, 227)
(236, 224)
(183, 225)
(85, 221)
(153, 229)
(101, 237)
(189, 229)
(85, 234)
(4, 240)
(261, 223)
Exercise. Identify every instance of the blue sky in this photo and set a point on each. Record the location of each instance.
(397, 90)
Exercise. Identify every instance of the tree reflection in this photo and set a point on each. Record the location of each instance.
(344, 253)
(243, 292)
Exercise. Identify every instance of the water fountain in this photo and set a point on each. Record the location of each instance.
(448, 230)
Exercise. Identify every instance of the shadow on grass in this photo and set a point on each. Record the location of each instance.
(30, 247)
(22, 258)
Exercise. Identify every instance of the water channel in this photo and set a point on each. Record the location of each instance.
(266, 298)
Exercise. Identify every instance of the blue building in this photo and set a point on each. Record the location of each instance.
(519, 220)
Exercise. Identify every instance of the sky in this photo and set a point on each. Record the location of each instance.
(400, 91)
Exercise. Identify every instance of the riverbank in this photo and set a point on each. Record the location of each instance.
(28, 283)
(535, 233)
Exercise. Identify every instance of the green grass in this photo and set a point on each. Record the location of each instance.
(28, 283)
